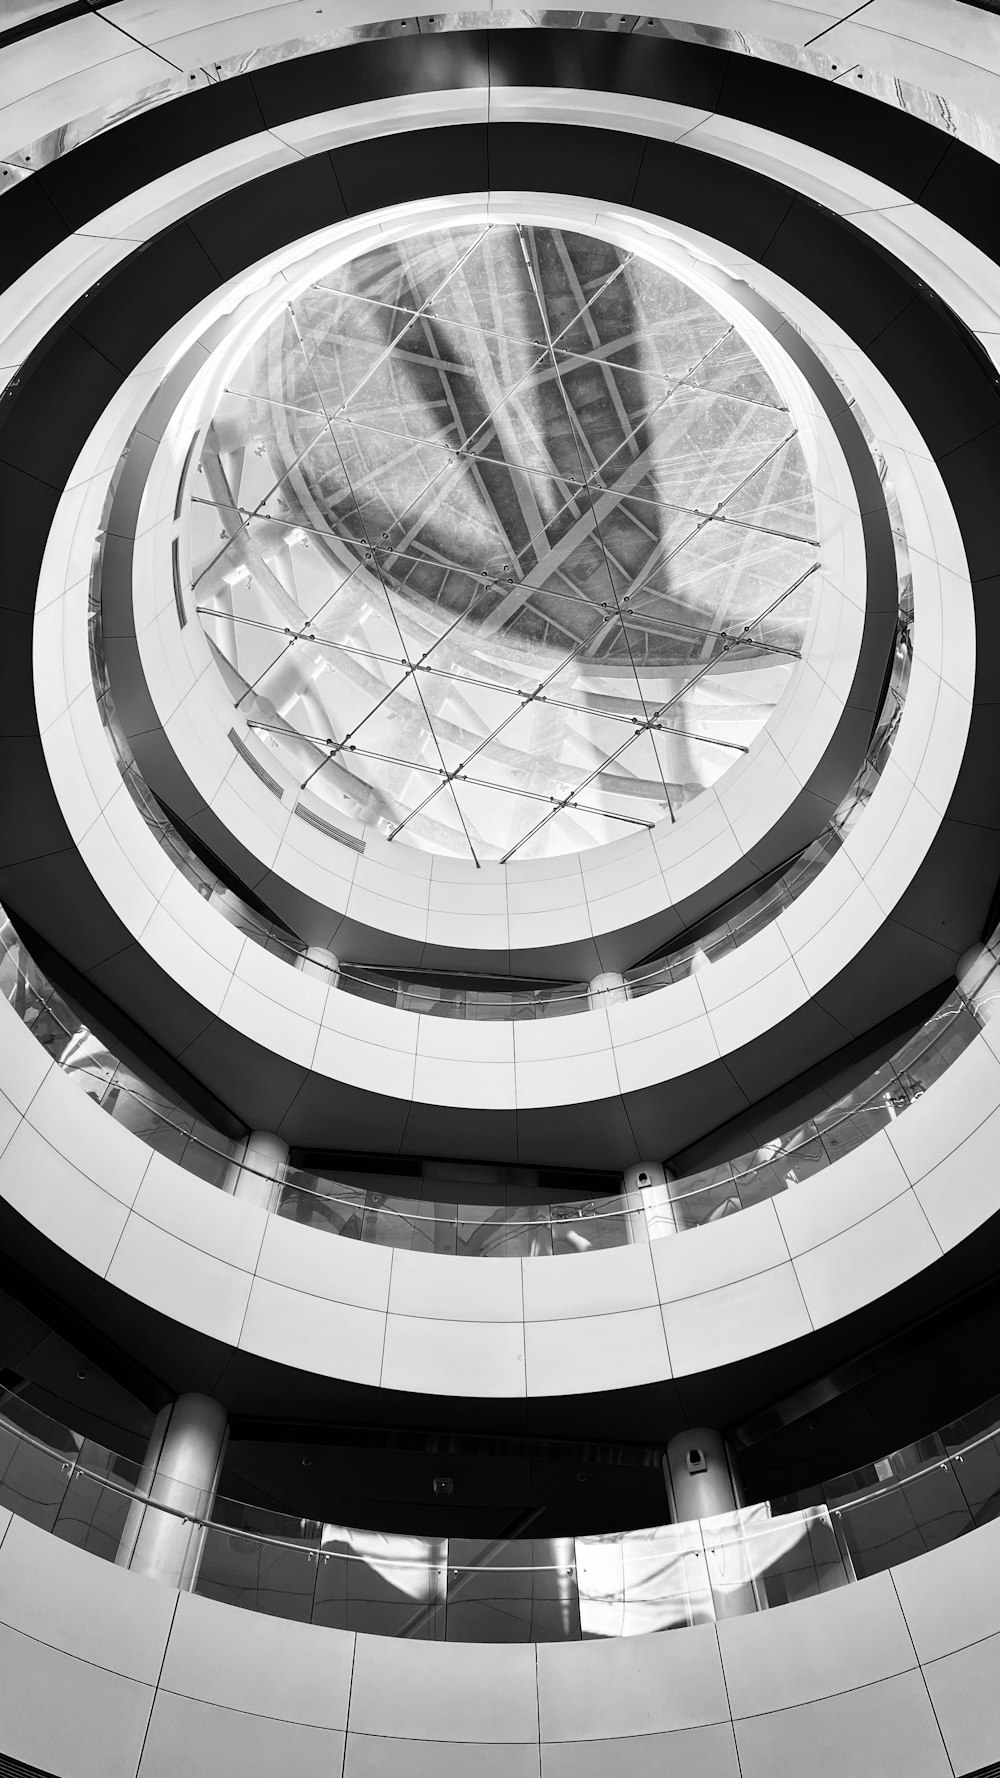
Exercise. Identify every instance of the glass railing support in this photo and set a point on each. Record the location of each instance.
(256, 1175)
(321, 963)
(180, 1472)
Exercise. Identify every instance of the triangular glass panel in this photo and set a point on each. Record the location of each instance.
(675, 757)
(645, 319)
(491, 290)
(276, 372)
(326, 322)
(499, 816)
(404, 273)
(434, 820)
(633, 782)
(611, 404)
(778, 497)
(665, 648)
(732, 701)
(397, 728)
(638, 537)
(733, 369)
(697, 449)
(727, 577)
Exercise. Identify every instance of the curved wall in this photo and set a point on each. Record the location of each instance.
(634, 1300)
(106, 1675)
(579, 913)
(255, 1291)
(103, 1673)
(634, 1112)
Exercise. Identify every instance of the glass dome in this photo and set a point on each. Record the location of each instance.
(504, 541)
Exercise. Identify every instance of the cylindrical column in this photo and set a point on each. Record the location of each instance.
(699, 1476)
(606, 990)
(702, 1485)
(256, 1174)
(646, 1194)
(180, 1473)
(317, 961)
(978, 979)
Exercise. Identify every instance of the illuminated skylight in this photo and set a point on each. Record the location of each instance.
(505, 541)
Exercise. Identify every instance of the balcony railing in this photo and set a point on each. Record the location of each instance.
(364, 1213)
(520, 1590)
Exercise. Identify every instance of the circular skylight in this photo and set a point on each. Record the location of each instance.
(504, 541)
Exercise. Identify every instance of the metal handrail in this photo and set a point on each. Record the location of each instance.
(570, 1214)
(903, 1481)
(555, 1217)
(144, 1498)
(702, 1540)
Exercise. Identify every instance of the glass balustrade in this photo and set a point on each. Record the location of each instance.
(165, 1123)
(916, 1498)
(526, 1590)
(432, 1588)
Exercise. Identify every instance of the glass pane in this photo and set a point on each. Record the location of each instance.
(521, 1592)
(33, 1483)
(243, 1570)
(977, 1472)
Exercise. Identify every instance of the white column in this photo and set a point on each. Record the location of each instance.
(699, 1475)
(606, 990)
(702, 1485)
(317, 961)
(646, 1193)
(181, 1472)
(978, 979)
(256, 1174)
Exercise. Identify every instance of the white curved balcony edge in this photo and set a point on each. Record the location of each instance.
(948, 50)
(453, 1326)
(106, 1675)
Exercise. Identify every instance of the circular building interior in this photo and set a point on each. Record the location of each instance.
(499, 892)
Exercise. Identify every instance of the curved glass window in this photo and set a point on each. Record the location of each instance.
(505, 541)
